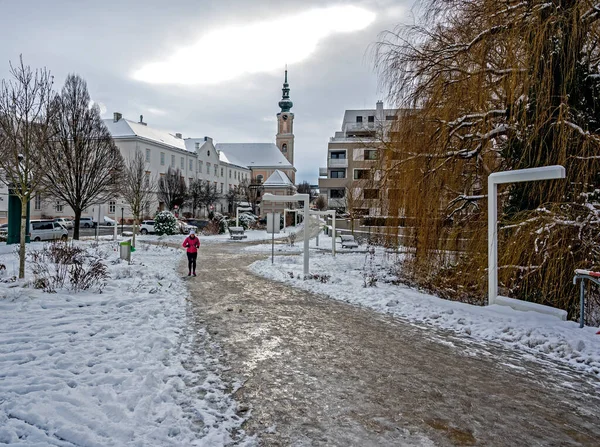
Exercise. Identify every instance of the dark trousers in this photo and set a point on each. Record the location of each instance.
(192, 262)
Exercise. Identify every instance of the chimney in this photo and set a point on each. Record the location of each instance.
(117, 116)
(178, 135)
(142, 120)
(379, 110)
(208, 139)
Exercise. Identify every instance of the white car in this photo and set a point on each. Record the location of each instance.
(147, 226)
(109, 222)
(67, 223)
(185, 228)
(87, 222)
(47, 230)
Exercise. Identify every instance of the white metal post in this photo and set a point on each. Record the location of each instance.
(333, 236)
(519, 175)
(268, 197)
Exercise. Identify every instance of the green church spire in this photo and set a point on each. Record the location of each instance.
(286, 104)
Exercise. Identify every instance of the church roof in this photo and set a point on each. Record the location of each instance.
(253, 155)
(125, 128)
(278, 179)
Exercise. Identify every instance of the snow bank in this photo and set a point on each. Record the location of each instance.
(115, 368)
(348, 273)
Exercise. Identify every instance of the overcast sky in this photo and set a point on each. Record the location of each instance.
(212, 68)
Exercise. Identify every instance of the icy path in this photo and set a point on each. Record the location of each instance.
(316, 371)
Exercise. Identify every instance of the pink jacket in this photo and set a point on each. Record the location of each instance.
(192, 245)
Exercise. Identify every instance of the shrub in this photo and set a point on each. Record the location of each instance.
(165, 223)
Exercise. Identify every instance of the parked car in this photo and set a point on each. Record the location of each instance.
(87, 222)
(4, 228)
(47, 230)
(67, 223)
(185, 228)
(147, 226)
(199, 224)
(109, 222)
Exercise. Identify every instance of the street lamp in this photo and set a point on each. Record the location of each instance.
(122, 218)
(519, 175)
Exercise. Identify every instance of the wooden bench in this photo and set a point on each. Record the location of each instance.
(237, 233)
(348, 241)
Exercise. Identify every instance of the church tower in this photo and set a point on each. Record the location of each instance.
(285, 124)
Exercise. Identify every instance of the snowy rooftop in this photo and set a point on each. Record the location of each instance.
(278, 179)
(125, 128)
(253, 155)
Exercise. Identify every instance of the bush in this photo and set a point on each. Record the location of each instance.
(165, 223)
(59, 265)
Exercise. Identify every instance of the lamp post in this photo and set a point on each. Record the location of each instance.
(519, 175)
(122, 218)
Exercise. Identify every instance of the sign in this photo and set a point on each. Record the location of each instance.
(273, 223)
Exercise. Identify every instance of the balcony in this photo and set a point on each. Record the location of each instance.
(353, 127)
(337, 163)
(322, 172)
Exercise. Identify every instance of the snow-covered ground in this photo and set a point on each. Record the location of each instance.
(251, 236)
(118, 368)
(344, 278)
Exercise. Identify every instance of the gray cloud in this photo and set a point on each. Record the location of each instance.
(105, 42)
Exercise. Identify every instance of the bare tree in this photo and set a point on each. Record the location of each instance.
(321, 203)
(252, 192)
(353, 203)
(208, 193)
(233, 196)
(138, 188)
(83, 166)
(194, 194)
(172, 190)
(26, 112)
(305, 188)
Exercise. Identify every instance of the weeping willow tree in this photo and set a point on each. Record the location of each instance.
(496, 85)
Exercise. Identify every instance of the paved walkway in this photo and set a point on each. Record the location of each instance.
(317, 372)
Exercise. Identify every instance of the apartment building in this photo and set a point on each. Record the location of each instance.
(349, 181)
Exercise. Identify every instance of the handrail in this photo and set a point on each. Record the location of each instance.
(582, 275)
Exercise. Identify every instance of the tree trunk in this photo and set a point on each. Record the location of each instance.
(76, 224)
(135, 223)
(22, 238)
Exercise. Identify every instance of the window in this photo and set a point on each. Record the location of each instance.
(191, 164)
(284, 148)
(200, 165)
(38, 201)
(162, 158)
(182, 163)
(216, 171)
(147, 179)
(111, 207)
(221, 188)
(230, 173)
(59, 207)
(148, 155)
(338, 155)
(371, 119)
(361, 174)
(337, 173)
(221, 172)
(337, 193)
(208, 168)
(359, 119)
(235, 174)
(391, 118)
(371, 154)
(371, 194)
(172, 161)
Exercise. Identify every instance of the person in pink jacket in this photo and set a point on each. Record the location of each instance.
(192, 244)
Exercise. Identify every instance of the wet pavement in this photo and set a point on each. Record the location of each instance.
(318, 372)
